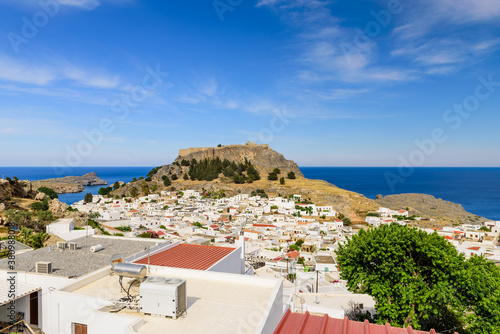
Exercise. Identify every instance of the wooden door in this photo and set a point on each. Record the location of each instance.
(34, 308)
(79, 328)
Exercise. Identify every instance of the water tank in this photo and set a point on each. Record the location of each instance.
(96, 248)
(130, 270)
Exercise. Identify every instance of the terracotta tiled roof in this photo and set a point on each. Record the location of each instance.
(298, 323)
(188, 257)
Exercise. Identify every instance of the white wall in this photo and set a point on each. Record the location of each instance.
(230, 264)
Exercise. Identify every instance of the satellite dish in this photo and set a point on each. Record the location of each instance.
(117, 258)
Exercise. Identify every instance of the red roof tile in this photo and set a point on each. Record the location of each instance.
(298, 323)
(188, 257)
(475, 248)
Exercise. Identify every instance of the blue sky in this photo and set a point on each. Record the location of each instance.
(326, 83)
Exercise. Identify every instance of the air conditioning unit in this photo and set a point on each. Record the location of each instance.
(72, 245)
(43, 267)
(61, 245)
(163, 296)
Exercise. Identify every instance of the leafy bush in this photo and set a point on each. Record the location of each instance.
(49, 192)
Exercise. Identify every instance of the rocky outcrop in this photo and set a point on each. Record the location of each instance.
(57, 207)
(430, 207)
(40, 197)
(70, 184)
(18, 189)
(89, 179)
(262, 156)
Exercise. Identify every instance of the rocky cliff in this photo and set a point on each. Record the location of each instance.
(262, 156)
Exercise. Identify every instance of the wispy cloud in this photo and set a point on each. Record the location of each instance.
(16, 70)
(80, 4)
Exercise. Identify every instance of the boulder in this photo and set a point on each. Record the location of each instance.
(2, 207)
(40, 196)
(57, 207)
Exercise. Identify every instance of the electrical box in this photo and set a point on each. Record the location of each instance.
(162, 296)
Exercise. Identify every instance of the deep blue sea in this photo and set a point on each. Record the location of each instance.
(477, 189)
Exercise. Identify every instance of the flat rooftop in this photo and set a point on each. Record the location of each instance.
(79, 262)
(188, 257)
(216, 302)
(325, 259)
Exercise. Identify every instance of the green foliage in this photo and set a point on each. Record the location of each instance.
(123, 228)
(301, 260)
(34, 240)
(272, 176)
(41, 206)
(117, 185)
(105, 191)
(174, 177)
(134, 192)
(88, 198)
(185, 177)
(485, 229)
(118, 234)
(419, 279)
(220, 145)
(299, 243)
(291, 175)
(166, 181)
(282, 180)
(49, 192)
(163, 227)
(45, 216)
(94, 215)
(294, 247)
(198, 224)
(372, 214)
(71, 209)
(141, 177)
(276, 171)
(185, 162)
(259, 192)
(346, 220)
(153, 172)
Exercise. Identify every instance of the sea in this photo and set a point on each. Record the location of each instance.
(477, 189)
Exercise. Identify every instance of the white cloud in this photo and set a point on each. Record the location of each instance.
(40, 74)
(17, 71)
(80, 4)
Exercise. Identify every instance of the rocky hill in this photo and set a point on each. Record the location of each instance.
(70, 184)
(262, 156)
(430, 207)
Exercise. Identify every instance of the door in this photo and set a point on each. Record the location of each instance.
(79, 328)
(34, 308)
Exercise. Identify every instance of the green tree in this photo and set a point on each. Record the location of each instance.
(186, 177)
(419, 279)
(282, 180)
(116, 185)
(41, 206)
(88, 198)
(276, 171)
(45, 216)
(49, 192)
(134, 192)
(272, 176)
(291, 175)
